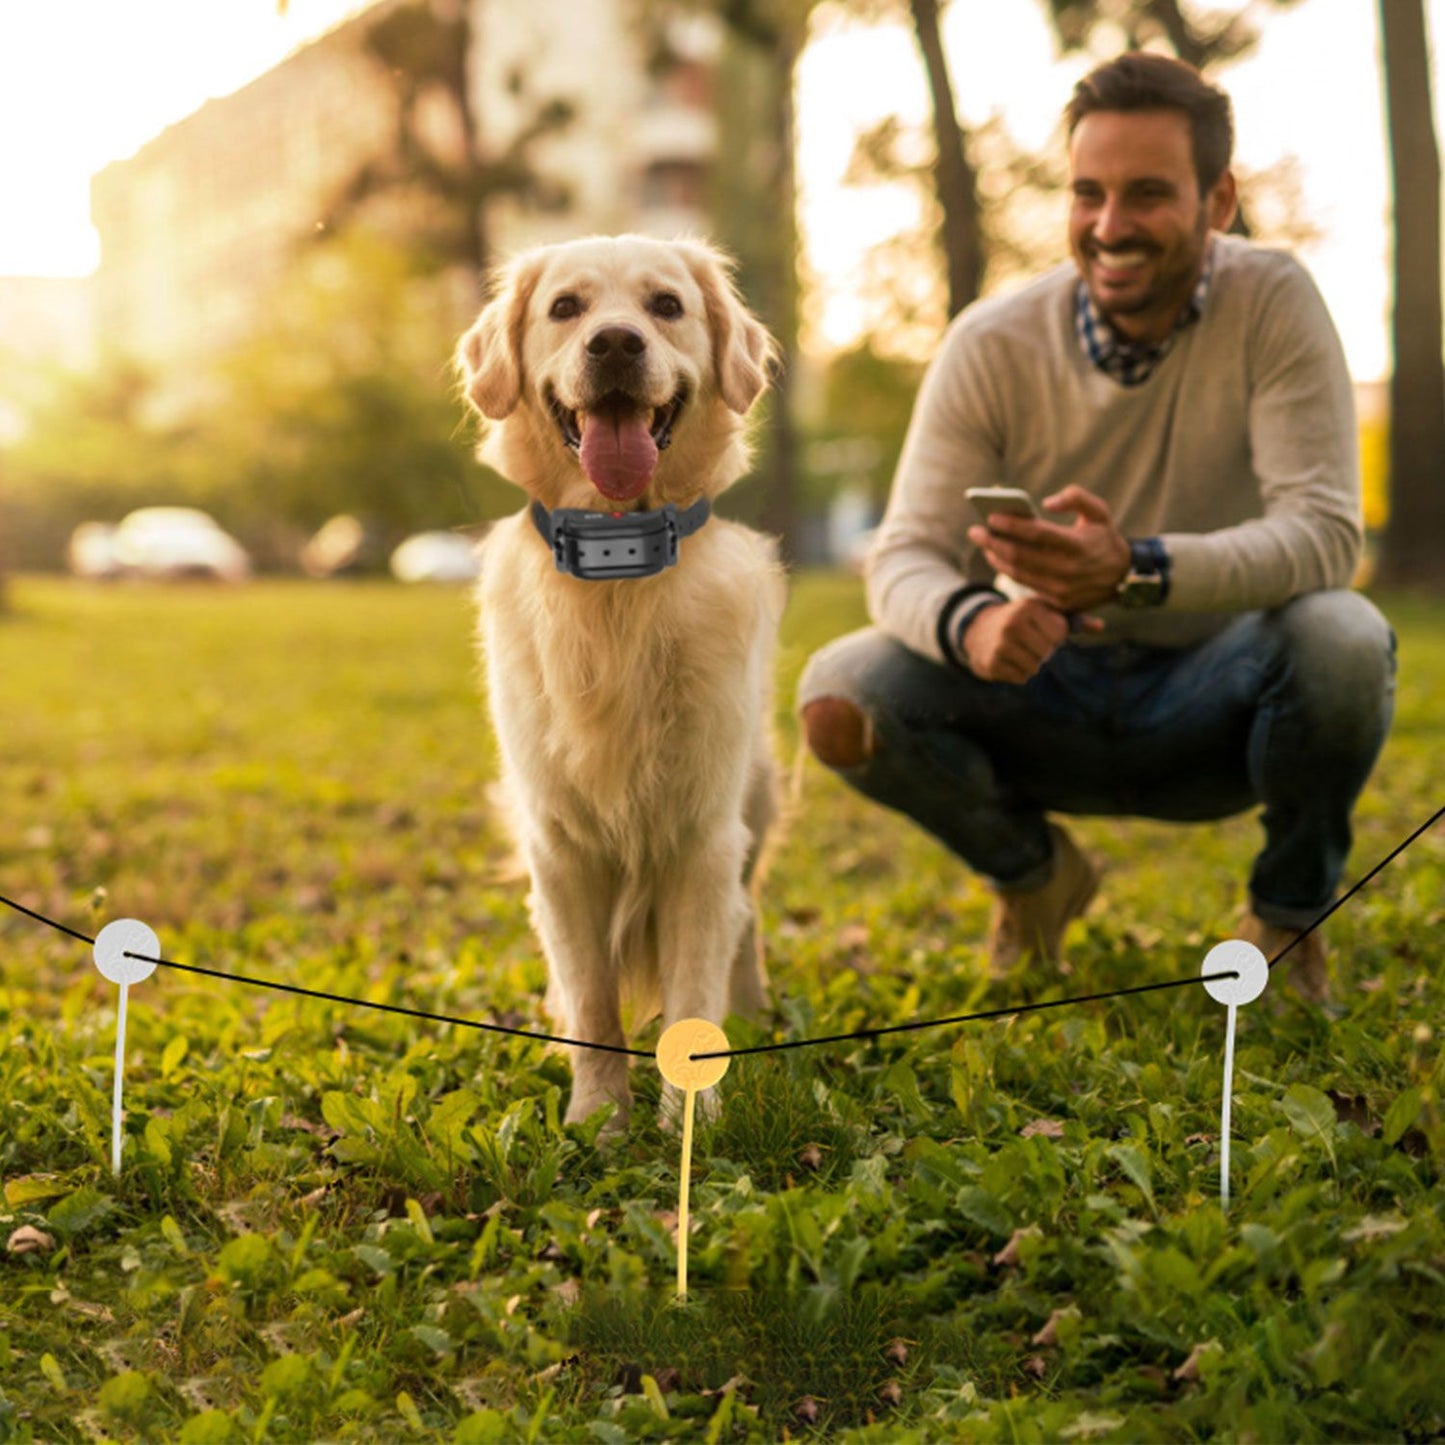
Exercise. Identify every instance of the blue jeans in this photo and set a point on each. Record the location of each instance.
(1287, 708)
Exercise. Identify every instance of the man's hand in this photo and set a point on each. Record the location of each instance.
(1011, 641)
(1073, 567)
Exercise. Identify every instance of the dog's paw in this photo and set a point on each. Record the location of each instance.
(585, 1105)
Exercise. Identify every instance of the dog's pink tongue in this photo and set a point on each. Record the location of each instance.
(618, 454)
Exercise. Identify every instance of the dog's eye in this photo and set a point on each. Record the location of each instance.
(565, 307)
(665, 305)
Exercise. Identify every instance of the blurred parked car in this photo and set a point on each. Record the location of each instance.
(91, 552)
(436, 557)
(174, 542)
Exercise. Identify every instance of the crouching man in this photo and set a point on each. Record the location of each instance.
(1173, 636)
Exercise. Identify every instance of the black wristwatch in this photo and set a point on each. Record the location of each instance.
(1146, 584)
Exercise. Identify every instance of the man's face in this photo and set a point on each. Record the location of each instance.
(1138, 225)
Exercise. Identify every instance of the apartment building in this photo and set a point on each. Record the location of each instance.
(197, 226)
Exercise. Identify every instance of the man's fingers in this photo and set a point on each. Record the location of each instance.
(1052, 627)
(1074, 498)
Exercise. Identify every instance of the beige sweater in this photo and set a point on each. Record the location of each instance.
(1240, 451)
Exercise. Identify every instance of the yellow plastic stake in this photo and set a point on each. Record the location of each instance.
(675, 1051)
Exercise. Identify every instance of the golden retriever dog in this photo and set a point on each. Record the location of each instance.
(632, 702)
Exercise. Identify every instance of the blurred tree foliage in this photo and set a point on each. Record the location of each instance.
(1005, 219)
(439, 168)
(867, 395)
(339, 401)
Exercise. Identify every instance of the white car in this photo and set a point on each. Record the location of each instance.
(436, 557)
(91, 552)
(178, 542)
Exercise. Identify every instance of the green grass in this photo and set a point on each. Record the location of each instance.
(334, 1223)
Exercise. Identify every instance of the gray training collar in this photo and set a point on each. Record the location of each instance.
(601, 546)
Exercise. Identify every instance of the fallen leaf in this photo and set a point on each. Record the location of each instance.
(1353, 1109)
(1049, 1334)
(811, 1157)
(1049, 1128)
(1036, 1366)
(806, 1410)
(1375, 1226)
(1189, 1370)
(737, 1382)
(891, 1393)
(1009, 1254)
(29, 1240)
(897, 1352)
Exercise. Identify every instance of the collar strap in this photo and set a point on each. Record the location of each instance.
(597, 546)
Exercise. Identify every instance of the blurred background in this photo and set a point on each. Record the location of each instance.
(241, 238)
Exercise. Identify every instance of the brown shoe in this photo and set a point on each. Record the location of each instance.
(1304, 965)
(1029, 924)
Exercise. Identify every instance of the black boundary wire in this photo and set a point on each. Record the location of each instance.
(1080, 998)
(874, 1033)
(390, 1008)
(1340, 902)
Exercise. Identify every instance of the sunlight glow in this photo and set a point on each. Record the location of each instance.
(85, 82)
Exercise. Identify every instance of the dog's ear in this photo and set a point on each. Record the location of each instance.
(489, 356)
(742, 349)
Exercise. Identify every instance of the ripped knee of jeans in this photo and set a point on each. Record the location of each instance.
(839, 732)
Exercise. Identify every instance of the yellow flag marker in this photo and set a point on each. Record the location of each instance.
(675, 1050)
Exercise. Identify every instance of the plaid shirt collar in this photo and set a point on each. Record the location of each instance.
(1131, 363)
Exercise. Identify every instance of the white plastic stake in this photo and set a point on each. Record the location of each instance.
(675, 1050)
(1252, 975)
(116, 948)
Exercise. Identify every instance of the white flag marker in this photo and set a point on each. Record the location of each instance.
(1248, 963)
(116, 947)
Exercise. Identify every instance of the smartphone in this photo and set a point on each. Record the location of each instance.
(1010, 500)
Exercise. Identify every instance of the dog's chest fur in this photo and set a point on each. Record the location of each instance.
(636, 703)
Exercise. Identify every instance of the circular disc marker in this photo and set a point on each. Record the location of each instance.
(683, 1039)
(115, 940)
(1235, 956)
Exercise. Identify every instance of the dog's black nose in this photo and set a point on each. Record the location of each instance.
(616, 344)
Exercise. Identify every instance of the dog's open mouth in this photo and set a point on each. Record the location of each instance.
(617, 441)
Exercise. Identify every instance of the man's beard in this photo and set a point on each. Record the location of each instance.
(1170, 289)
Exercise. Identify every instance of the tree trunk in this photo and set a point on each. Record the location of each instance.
(781, 513)
(753, 202)
(1415, 535)
(955, 180)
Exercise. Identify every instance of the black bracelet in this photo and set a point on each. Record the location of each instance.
(950, 610)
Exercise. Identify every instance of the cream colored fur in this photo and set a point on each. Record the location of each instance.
(633, 716)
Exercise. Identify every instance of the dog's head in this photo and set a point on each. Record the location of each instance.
(615, 371)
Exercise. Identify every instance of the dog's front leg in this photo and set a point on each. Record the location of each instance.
(572, 895)
(701, 916)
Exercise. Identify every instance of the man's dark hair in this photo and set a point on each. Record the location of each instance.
(1141, 80)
